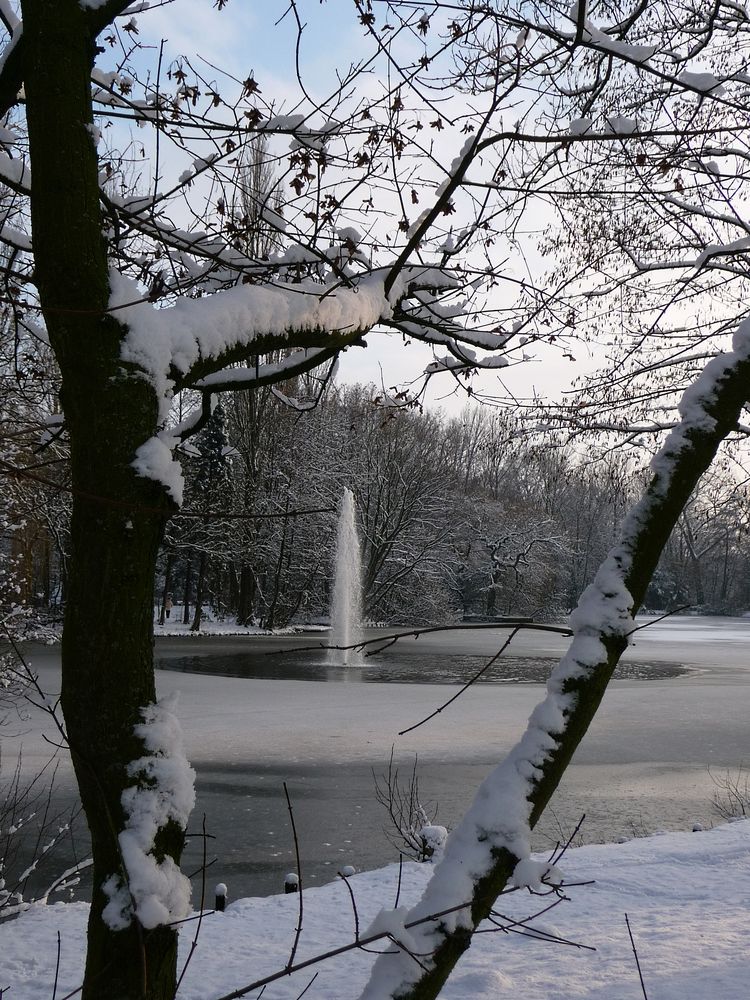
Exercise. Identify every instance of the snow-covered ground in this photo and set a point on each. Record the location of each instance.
(687, 896)
(213, 626)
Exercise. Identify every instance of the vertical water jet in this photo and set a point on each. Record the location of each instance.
(346, 604)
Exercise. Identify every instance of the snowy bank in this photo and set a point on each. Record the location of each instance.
(687, 896)
(212, 626)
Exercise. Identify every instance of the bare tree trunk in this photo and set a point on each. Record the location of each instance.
(246, 599)
(118, 517)
(725, 570)
(166, 588)
(187, 592)
(47, 571)
(278, 574)
(695, 563)
(199, 589)
(217, 594)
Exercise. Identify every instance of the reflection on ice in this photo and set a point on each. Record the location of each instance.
(392, 668)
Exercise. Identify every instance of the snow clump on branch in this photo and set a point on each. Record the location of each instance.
(166, 343)
(156, 892)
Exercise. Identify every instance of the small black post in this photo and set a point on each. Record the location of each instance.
(291, 882)
(221, 897)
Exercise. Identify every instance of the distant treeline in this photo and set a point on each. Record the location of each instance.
(468, 515)
(477, 514)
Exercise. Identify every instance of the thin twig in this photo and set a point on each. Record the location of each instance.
(300, 995)
(201, 868)
(300, 915)
(559, 851)
(73, 993)
(654, 621)
(405, 809)
(194, 942)
(400, 872)
(635, 954)
(57, 967)
(536, 935)
(472, 680)
(34, 680)
(389, 640)
(69, 873)
(354, 904)
(407, 951)
(522, 927)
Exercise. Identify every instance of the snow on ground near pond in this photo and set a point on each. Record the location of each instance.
(211, 627)
(687, 896)
(674, 628)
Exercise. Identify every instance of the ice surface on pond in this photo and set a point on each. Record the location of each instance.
(346, 605)
(646, 763)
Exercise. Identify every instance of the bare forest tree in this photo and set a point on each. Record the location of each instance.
(35, 515)
(512, 525)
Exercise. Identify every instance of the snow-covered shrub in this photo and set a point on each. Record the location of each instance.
(31, 827)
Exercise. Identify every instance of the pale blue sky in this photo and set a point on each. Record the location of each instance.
(245, 36)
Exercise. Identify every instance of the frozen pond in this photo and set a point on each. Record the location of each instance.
(392, 667)
(643, 766)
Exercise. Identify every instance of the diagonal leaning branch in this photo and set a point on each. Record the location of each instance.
(484, 852)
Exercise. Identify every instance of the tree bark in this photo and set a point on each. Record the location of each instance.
(47, 571)
(187, 592)
(199, 588)
(246, 600)
(118, 518)
(167, 588)
(695, 564)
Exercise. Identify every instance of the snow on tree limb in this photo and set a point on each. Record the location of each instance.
(154, 890)
(166, 344)
(267, 373)
(192, 342)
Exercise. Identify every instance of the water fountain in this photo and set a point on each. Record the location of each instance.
(346, 605)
